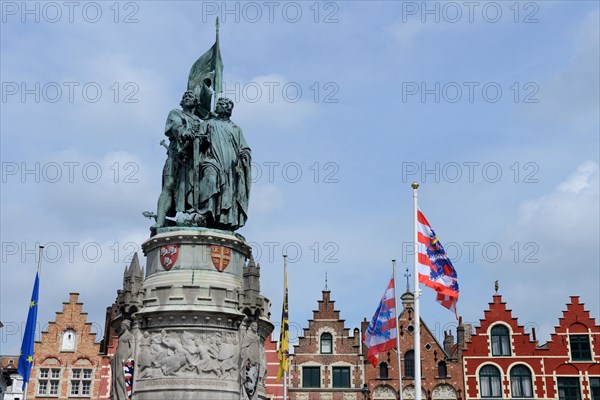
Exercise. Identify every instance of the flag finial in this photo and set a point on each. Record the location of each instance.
(414, 185)
(326, 288)
(496, 286)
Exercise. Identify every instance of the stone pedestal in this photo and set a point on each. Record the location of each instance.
(196, 319)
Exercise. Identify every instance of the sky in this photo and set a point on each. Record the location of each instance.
(493, 107)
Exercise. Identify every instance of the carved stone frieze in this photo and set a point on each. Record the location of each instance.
(184, 354)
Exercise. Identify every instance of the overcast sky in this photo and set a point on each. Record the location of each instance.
(492, 106)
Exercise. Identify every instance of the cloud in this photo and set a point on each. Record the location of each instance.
(266, 198)
(558, 233)
(571, 98)
(571, 208)
(271, 101)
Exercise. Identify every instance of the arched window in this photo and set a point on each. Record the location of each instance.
(409, 364)
(383, 370)
(500, 341)
(442, 369)
(489, 382)
(326, 343)
(520, 382)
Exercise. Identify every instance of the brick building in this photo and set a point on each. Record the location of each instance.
(441, 369)
(67, 361)
(274, 389)
(327, 362)
(504, 361)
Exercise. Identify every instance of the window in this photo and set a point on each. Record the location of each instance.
(595, 388)
(489, 382)
(568, 389)
(409, 364)
(383, 370)
(520, 382)
(500, 341)
(311, 377)
(341, 377)
(326, 343)
(580, 347)
(81, 382)
(48, 381)
(442, 370)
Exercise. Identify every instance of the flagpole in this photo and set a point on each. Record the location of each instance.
(417, 295)
(216, 96)
(285, 288)
(39, 272)
(398, 352)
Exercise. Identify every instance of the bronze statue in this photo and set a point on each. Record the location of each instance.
(181, 129)
(224, 170)
(207, 175)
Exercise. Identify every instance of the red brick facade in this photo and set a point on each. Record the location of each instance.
(441, 370)
(327, 362)
(503, 361)
(274, 389)
(67, 362)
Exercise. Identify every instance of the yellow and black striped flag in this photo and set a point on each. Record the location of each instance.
(284, 338)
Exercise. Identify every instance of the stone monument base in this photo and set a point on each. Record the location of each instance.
(200, 332)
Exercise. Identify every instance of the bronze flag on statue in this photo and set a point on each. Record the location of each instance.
(207, 72)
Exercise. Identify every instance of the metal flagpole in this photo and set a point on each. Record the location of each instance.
(398, 352)
(39, 272)
(288, 316)
(417, 295)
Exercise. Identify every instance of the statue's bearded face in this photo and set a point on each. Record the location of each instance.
(224, 106)
(188, 99)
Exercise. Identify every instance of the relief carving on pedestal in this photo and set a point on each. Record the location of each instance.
(185, 354)
(250, 370)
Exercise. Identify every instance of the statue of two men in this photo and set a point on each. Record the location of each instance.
(207, 175)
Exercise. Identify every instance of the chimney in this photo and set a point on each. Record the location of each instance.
(363, 329)
(533, 334)
(356, 344)
(460, 338)
(448, 342)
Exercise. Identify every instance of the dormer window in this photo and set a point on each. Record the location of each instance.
(580, 348)
(326, 343)
(500, 341)
(68, 340)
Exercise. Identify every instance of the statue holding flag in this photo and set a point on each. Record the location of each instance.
(206, 181)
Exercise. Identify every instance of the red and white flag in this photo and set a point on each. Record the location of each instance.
(435, 268)
(128, 368)
(381, 333)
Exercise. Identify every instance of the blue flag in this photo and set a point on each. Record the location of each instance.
(26, 357)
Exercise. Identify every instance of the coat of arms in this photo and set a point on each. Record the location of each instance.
(168, 255)
(220, 257)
